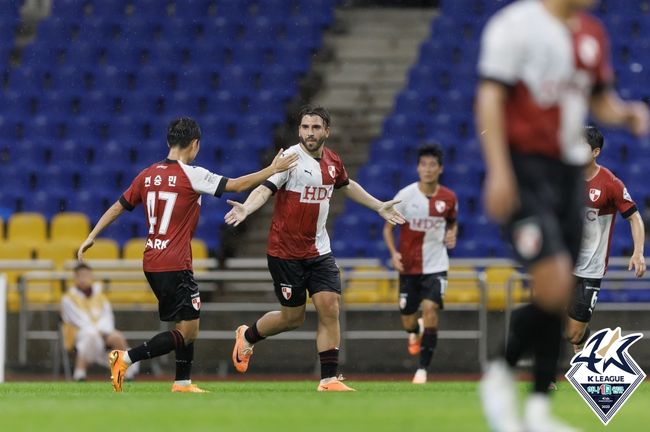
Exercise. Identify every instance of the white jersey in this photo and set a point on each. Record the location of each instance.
(302, 204)
(421, 237)
(552, 69)
(84, 312)
(607, 196)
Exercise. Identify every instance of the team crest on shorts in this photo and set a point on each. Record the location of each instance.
(286, 291)
(604, 373)
(331, 169)
(196, 303)
(594, 194)
(440, 206)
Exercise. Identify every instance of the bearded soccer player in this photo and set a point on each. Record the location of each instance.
(607, 195)
(171, 192)
(543, 66)
(299, 256)
(430, 210)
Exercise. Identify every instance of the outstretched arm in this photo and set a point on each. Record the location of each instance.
(637, 261)
(609, 109)
(240, 212)
(387, 210)
(107, 218)
(280, 163)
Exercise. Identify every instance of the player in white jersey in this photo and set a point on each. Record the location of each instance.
(607, 195)
(544, 65)
(299, 256)
(430, 210)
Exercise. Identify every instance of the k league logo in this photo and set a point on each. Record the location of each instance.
(604, 373)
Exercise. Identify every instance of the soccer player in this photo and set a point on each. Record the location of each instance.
(606, 195)
(171, 193)
(89, 323)
(299, 256)
(543, 66)
(430, 210)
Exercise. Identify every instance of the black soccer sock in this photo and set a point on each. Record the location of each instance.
(429, 342)
(252, 335)
(158, 345)
(184, 358)
(521, 333)
(548, 345)
(415, 329)
(329, 363)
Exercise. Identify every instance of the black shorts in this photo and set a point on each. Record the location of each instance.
(415, 288)
(177, 294)
(292, 279)
(549, 219)
(584, 299)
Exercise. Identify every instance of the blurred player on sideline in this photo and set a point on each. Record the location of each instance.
(89, 324)
(171, 192)
(299, 256)
(543, 66)
(606, 195)
(430, 210)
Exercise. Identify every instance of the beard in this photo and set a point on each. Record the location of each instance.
(312, 146)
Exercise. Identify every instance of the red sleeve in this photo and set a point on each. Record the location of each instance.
(604, 70)
(452, 215)
(621, 199)
(133, 195)
(342, 177)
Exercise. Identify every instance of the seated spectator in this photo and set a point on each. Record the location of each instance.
(89, 324)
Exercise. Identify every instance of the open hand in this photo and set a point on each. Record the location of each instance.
(237, 214)
(283, 162)
(390, 213)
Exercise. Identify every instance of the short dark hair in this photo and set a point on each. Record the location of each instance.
(312, 110)
(594, 137)
(431, 149)
(81, 266)
(182, 131)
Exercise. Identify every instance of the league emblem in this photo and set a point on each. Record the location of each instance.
(604, 373)
(594, 194)
(331, 169)
(440, 206)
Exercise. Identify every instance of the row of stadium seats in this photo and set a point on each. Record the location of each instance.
(89, 104)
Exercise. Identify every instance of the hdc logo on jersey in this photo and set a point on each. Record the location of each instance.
(604, 373)
(594, 194)
(425, 224)
(316, 194)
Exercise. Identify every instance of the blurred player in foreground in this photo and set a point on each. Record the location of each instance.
(89, 324)
(606, 195)
(430, 210)
(543, 66)
(171, 192)
(299, 256)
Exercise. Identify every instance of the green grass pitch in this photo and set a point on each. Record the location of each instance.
(278, 406)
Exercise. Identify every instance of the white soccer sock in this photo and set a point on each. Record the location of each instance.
(79, 374)
(127, 359)
(183, 383)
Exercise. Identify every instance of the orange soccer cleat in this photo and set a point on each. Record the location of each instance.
(192, 388)
(334, 384)
(415, 340)
(118, 368)
(242, 351)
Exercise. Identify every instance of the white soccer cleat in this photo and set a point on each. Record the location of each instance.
(420, 376)
(538, 417)
(498, 393)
